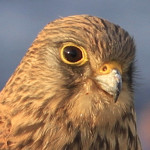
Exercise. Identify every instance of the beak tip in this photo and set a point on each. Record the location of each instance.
(116, 97)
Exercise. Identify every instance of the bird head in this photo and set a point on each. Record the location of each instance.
(78, 66)
(85, 63)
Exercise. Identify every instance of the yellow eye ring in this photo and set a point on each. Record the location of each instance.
(73, 54)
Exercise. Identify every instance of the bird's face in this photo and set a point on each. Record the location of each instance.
(79, 67)
(107, 76)
(85, 64)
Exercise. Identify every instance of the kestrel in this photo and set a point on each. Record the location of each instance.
(73, 90)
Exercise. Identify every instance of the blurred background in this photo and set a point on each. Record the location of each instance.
(21, 21)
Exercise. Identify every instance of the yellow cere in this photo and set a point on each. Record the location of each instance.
(108, 67)
(75, 55)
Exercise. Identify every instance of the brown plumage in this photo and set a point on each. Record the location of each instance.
(72, 90)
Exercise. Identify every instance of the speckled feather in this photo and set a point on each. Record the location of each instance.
(47, 104)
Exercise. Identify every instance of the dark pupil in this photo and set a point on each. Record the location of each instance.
(72, 54)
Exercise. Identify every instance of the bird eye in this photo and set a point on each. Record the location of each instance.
(73, 54)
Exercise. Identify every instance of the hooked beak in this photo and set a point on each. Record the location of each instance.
(111, 80)
(117, 85)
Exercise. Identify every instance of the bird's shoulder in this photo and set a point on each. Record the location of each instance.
(5, 126)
